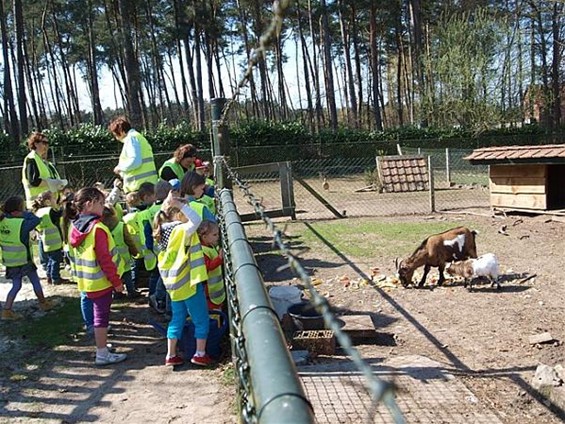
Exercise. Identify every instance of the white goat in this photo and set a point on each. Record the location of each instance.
(484, 266)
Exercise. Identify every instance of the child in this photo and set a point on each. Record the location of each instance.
(209, 234)
(49, 229)
(95, 258)
(192, 186)
(182, 268)
(125, 246)
(15, 226)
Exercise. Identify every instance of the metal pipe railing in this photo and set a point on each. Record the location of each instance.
(277, 393)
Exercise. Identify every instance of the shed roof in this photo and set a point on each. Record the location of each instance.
(549, 153)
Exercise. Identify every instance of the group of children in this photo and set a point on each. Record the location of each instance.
(169, 229)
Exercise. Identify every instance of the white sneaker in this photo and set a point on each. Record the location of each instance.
(111, 358)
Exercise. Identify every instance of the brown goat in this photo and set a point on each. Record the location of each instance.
(451, 245)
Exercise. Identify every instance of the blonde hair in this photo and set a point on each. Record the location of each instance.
(167, 215)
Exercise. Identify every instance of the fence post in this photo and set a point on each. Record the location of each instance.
(431, 182)
(220, 142)
(447, 167)
(287, 190)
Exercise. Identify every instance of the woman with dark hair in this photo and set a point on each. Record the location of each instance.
(181, 163)
(38, 174)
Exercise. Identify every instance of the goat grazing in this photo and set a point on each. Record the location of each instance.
(435, 251)
(484, 266)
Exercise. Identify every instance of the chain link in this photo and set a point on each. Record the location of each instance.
(258, 54)
(381, 391)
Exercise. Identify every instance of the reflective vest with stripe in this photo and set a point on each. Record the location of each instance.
(14, 252)
(198, 207)
(50, 234)
(122, 248)
(209, 202)
(31, 192)
(142, 217)
(88, 274)
(175, 167)
(216, 289)
(132, 222)
(146, 172)
(182, 264)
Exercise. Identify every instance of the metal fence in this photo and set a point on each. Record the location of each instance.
(351, 187)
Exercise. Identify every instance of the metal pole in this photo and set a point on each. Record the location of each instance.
(220, 142)
(431, 182)
(277, 392)
(447, 167)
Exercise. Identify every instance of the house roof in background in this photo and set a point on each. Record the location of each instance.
(549, 153)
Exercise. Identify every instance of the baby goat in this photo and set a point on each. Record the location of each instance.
(484, 266)
(455, 244)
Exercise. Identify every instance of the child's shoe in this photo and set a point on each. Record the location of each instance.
(46, 305)
(9, 315)
(203, 361)
(110, 358)
(174, 360)
(61, 281)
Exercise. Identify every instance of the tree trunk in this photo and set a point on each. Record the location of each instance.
(556, 27)
(352, 108)
(10, 117)
(305, 61)
(375, 66)
(93, 70)
(328, 68)
(20, 65)
(133, 86)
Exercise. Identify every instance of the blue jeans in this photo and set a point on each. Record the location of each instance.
(127, 279)
(43, 259)
(53, 264)
(197, 307)
(87, 311)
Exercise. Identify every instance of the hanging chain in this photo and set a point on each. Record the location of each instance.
(381, 391)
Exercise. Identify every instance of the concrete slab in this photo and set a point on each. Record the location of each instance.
(358, 325)
(425, 393)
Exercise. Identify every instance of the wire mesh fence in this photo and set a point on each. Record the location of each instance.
(351, 187)
(80, 171)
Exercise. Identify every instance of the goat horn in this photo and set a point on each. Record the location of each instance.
(396, 264)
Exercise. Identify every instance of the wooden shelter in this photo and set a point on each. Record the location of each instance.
(528, 178)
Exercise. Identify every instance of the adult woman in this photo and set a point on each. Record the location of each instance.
(181, 162)
(136, 165)
(38, 174)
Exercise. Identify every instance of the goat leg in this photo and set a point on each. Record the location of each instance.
(423, 280)
(441, 279)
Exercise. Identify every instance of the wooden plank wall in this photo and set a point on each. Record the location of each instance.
(518, 186)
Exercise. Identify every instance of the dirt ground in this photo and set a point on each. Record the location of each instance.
(64, 386)
(480, 336)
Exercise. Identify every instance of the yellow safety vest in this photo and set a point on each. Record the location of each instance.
(209, 202)
(216, 289)
(31, 192)
(175, 166)
(122, 248)
(149, 257)
(146, 172)
(14, 252)
(132, 222)
(182, 264)
(198, 207)
(50, 234)
(88, 274)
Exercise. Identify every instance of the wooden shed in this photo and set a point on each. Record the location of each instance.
(528, 178)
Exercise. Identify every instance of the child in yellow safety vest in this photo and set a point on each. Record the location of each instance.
(45, 207)
(15, 227)
(182, 267)
(96, 264)
(192, 189)
(209, 234)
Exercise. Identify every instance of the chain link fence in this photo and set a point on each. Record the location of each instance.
(80, 171)
(351, 187)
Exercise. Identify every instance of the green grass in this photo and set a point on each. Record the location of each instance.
(369, 238)
(53, 329)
